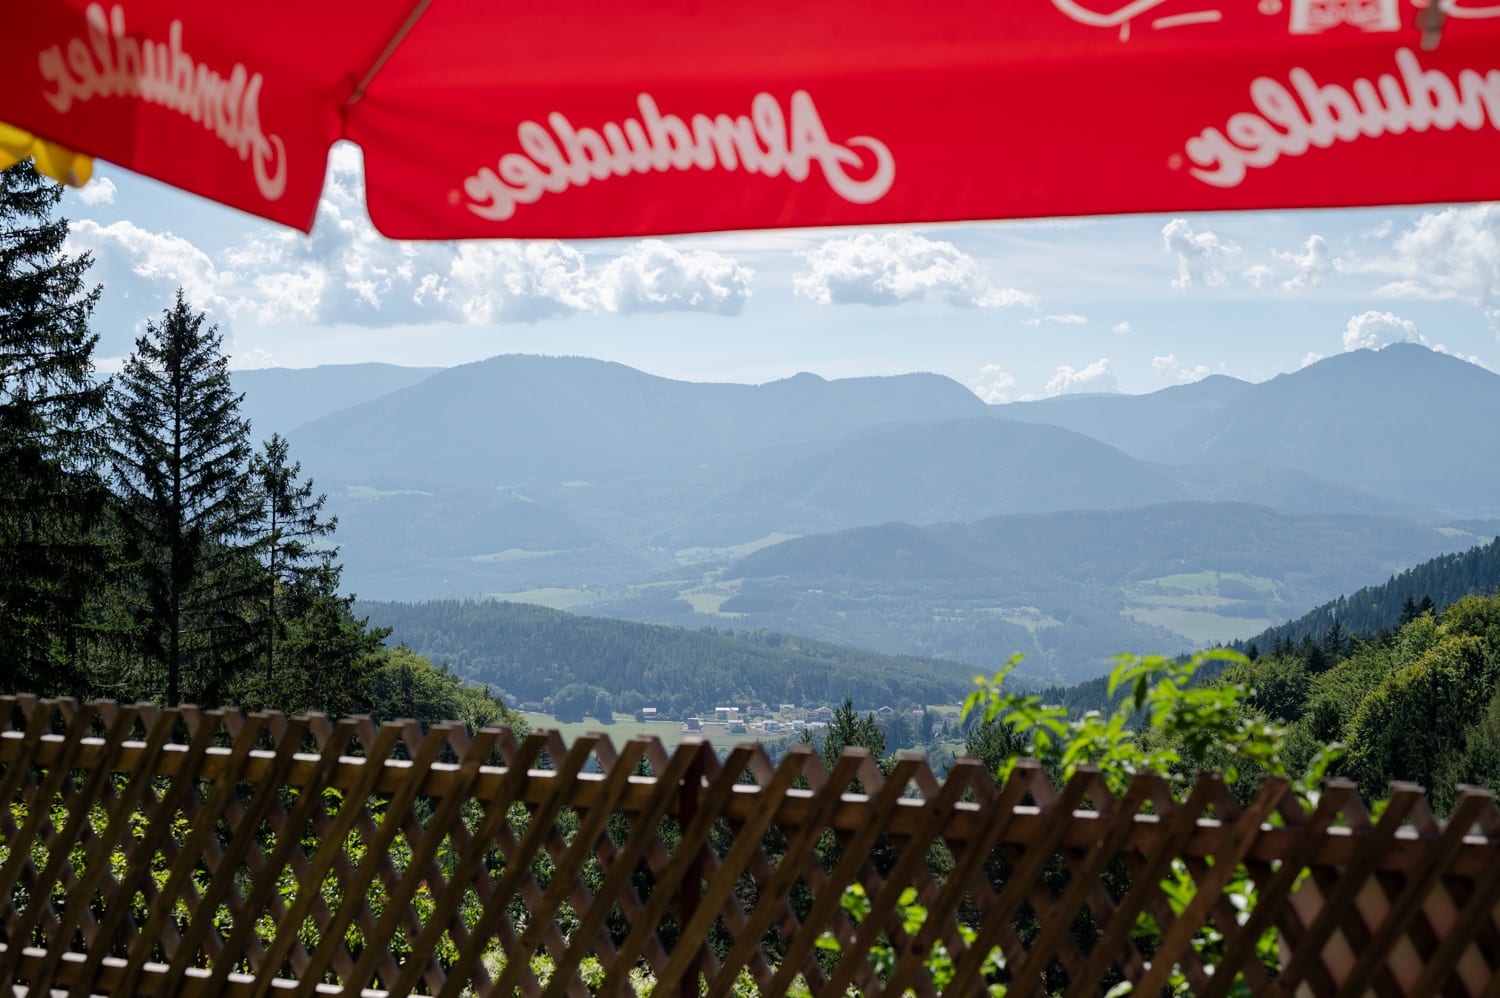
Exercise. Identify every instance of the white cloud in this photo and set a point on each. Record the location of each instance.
(655, 277)
(1203, 258)
(295, 296)
(515, 282)
(1309, 359)
(1313, 263)
(1169, 366)
(892, 267)
(98, 191)
(249, 359)
(1373, 330)
(1096, 377)
(995, 385)
(1452, 254)
(1121, 328)
(1259, 275)
(160, 258)
(1065, 319)
(346, 272)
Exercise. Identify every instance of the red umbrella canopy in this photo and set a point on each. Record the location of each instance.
(594, 118)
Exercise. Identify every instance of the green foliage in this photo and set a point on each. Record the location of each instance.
(533, 653)
(322, 660)
(51, 496)
(1425, 588)
(1412, 726)
(849, 730)
(1414, 705)
(1168, 723)
(180, 468)
(403, 684)
(288, 527)
(938, 962)
(1278, 686)
(1183, 724)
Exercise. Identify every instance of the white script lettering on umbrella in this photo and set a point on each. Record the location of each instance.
(1280, 126)
(1124, 16)
(113, 64)
(564, 156)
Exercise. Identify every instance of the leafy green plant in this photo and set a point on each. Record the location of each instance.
(1169, 722)
(938, 962)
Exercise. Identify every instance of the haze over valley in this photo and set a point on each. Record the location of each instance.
(899, 514)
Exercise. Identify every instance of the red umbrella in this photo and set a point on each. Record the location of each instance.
(592, 118)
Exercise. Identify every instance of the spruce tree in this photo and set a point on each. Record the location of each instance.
(297, 569)
(181, 470)
(51, 410)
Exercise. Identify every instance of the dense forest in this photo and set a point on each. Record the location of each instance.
(149, 548)
(1417, 704)
(537, 654)
(1431, 585)
(1415, 698)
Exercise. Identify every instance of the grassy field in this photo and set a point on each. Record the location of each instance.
(689, 556)
(1206, 582)
(555, 599)
(1199, 626)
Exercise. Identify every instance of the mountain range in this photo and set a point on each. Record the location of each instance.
(902, 514)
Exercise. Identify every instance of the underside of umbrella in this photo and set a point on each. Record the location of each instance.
(600, 118)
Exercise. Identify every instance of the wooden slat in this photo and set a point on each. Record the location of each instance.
(1339, 908)
(124, 780)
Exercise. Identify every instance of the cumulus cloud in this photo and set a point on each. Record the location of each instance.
(892, 267)
(1121, 328)
(1373, 330)
(655, 277)
(995, 385)
(514, 282)
(1206, 260)
(1314, 262)
(1309, 359)
(1169, 366)
(1203, 259)
(98, 191)
(1449, 254)
(1096, 377)
(160, 258)
(346, 272)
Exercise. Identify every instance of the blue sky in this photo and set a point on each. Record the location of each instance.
(1013, 310)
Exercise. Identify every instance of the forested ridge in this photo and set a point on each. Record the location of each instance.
(534, 654)
(1431, 585)
(1421, 703)
(150, 548)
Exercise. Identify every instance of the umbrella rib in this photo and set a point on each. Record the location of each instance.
(412, 18)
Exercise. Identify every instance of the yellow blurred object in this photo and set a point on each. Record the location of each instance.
(58, 162)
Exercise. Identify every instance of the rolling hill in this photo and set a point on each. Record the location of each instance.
(531, 652)
(280, 399)
(1071, 589)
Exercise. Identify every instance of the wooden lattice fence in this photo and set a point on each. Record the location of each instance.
(206, 852)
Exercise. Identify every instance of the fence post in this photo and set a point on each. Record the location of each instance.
(690, 893)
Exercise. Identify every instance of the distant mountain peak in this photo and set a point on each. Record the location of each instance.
(800, 378)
